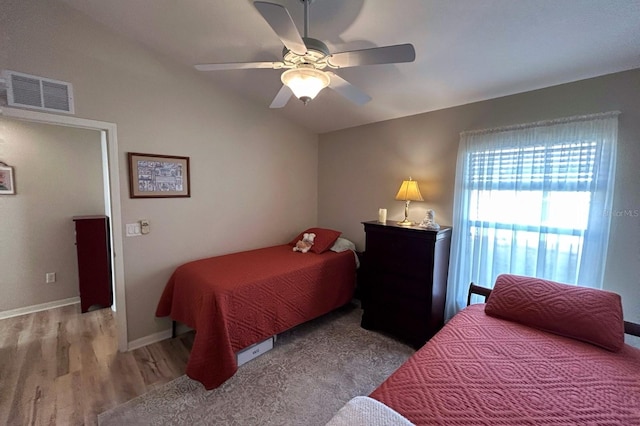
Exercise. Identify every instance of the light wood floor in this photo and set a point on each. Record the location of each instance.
(61, 367)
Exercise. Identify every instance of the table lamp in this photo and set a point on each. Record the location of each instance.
(408, 192)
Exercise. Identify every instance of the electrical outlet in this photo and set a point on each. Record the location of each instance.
(50, 277)
(144, 226)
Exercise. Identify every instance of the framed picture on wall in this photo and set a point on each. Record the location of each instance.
(7, 185)
(158, 176)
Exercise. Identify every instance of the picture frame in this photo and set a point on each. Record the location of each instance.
(158, 176)
(7, 183)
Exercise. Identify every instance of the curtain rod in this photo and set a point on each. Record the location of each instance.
(541, 123)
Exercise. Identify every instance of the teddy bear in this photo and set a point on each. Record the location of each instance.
(305, 243)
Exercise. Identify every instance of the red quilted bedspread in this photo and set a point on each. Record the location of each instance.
(483, 370)
(236, 300)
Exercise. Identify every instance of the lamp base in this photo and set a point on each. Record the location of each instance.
(405, 223)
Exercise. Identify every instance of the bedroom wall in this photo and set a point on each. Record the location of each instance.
(38, 232)
(372, 161)
(243, 157)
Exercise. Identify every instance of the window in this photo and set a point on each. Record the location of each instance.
(533, 200)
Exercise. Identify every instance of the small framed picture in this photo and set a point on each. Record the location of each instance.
(158, 176)
(7, 185)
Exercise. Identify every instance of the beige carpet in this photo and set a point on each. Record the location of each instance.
(310, 373)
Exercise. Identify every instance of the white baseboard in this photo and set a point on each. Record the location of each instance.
(147, 340)
(37, 308)
(181, 329)
(156, 337)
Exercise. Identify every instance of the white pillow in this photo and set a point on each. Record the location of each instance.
(342, 244)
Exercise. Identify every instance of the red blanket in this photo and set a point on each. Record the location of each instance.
(483, 370)
(236, 300)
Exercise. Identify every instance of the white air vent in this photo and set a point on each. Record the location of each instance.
(30, 91)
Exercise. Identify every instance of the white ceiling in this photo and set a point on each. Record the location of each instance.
(466, 50)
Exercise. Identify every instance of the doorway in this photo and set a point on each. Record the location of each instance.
(111, 183)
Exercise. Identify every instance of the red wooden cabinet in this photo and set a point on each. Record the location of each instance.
(94, 261)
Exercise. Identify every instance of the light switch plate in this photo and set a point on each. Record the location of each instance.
(133, 229)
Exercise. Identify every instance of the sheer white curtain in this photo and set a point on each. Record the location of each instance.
(534, 200)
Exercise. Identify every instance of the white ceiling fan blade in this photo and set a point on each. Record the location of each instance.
(278, 18)
(281, 98)
(239, 66)
(348, 90)
(377, 55)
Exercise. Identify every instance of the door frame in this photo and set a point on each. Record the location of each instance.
(111, 179)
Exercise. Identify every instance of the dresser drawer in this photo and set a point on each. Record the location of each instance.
(408, 322)
(409, 256)
(386, 285)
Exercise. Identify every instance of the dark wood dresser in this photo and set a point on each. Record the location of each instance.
(404, 280)
(94, 261)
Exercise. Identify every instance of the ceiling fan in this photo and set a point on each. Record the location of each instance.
(308, 61)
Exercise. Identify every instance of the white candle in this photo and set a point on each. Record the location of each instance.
(382, 215)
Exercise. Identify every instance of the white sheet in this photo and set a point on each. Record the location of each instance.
(365, 411)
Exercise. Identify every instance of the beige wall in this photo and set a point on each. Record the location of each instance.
(253, 175)
(58, 175)
(360, 169)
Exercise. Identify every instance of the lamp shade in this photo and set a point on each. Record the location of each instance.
(305, 83)
(409, 191)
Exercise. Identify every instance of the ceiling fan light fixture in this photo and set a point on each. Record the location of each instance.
(305, 83)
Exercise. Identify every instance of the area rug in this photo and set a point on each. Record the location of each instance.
(312, 371)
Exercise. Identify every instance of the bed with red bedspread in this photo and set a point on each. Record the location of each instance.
(537, 353)
(236, 300)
